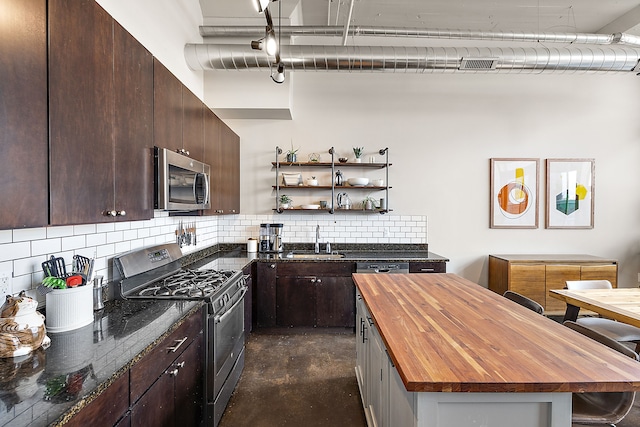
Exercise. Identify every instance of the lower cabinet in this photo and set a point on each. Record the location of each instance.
(385, 400)
(165, 388)
(315, 294)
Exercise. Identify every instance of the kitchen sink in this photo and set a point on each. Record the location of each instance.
(311, 255)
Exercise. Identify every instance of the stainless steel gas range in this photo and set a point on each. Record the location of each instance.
(156, 273)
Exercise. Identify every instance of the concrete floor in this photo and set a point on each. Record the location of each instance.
(297, 377)
(305, 377)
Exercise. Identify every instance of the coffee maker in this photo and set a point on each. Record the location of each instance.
(271, 236)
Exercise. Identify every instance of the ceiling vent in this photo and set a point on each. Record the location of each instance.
(478, 64)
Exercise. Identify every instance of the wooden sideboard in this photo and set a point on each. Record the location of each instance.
(535, 275)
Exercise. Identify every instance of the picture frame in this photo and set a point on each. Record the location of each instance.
(565, 208)
(514, 185)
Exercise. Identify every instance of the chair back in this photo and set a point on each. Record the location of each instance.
(607, 408)
(578, 285)
(524, 301)
(602, 339)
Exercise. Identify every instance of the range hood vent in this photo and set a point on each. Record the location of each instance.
(478, 64)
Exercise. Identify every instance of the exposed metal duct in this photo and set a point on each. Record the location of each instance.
(516, 36)
(415, 59)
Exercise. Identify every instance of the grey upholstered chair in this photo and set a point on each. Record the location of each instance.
(601, 408)
(618, 331)
(524, 301)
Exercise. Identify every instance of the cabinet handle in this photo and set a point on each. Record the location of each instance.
(182, 151)
(109, 213)
(220, 211)
(318, 280)
(272, 266)
(173, 373)
(428, 270)
(313, 280)
(121, 213)
(177, 346)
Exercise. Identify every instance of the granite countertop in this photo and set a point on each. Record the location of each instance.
(235, 257)
(46, 386)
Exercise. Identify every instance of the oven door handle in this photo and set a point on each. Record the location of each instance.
(220, 319)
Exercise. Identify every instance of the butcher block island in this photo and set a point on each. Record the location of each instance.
(438, 350)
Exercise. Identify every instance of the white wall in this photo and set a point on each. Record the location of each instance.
(163, 27)
(442, 129)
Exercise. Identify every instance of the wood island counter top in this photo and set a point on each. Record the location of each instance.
(444, 333)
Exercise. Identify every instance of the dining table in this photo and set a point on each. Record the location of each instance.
(621, 304)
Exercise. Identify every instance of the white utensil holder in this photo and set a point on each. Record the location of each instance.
(69, 308)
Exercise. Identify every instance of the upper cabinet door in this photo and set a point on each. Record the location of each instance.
(81, 109)
(133, 68)
(167, 108)
(23, 114)
(192, 125)
(229, 180)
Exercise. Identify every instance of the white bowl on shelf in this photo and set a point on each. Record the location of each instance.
(310, 206)
(358, 182)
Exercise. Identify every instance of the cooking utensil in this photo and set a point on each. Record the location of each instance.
(55, 267)
(81, 264)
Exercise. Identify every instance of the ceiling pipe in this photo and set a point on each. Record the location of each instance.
(515, 36)
(416, 59)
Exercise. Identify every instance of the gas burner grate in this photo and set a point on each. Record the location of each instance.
(188, 284)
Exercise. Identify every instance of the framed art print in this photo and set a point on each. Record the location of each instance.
(514, 193)
(570, 193)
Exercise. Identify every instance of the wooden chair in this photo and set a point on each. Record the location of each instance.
(524, 301)
(619, 331)
(598, 408)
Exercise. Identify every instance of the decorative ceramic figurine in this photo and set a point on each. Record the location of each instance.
(22, 328)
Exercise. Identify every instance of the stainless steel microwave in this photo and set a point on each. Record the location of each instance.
(181, 183)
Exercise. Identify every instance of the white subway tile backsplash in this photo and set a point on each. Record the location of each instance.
(6, 236)
(84, 229)
(61, 231)
(27, 234)
(96, 239)
(11, 251)
(25, 255)
(46, 246)
(74, 242)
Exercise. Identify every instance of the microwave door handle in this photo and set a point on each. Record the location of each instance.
(206, 185)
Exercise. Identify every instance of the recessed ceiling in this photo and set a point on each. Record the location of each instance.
(584, 16)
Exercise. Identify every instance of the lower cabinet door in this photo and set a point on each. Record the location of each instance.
(156, 407)
(335, 298)
(188, 385)
(296, 301)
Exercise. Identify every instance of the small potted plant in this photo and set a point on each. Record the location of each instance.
(357, 151)
(292, 154)
(369, 203)
(285, 201)
(312, 182)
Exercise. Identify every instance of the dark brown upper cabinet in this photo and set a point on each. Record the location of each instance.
(222, 153)
(100, 106)
(167, 108)
(192, 124)
(23, 114)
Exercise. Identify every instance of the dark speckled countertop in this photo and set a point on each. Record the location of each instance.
(47, 386)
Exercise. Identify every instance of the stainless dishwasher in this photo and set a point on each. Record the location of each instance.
(382, 267)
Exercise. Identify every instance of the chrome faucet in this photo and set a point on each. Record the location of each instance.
(316, 248)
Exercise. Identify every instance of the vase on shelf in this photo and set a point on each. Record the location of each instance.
(357, 160)
(291, 157)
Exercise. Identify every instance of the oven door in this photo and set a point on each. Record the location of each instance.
(226, 341)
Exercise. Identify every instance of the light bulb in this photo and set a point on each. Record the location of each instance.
(271, 45)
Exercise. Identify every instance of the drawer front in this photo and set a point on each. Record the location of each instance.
(427, 267)
(109, 407)
(150, 367)
(325, 269)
